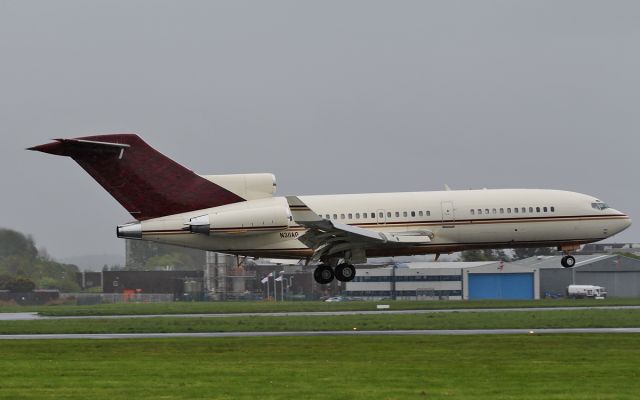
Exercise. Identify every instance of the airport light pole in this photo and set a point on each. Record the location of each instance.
(275, 289)
(282, 279)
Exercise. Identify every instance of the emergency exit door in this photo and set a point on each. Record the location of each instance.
(448, 212)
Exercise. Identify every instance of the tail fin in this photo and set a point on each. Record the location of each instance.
(146, 183)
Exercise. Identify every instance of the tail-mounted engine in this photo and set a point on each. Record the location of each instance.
(242, 221)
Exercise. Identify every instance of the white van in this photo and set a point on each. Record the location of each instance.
(582, 291)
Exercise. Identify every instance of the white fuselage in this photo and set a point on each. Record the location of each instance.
(458, 220)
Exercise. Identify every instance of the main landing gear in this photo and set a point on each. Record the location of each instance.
(568, 261)
(324, 274)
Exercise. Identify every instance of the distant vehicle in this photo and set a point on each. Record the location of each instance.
(582, 291)
(336, 299)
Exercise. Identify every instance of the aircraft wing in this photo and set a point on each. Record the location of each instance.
(327, 237)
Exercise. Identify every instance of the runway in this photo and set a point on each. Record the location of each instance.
(454, 332)
(31, 316)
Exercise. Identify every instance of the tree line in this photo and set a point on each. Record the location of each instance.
(23, 267)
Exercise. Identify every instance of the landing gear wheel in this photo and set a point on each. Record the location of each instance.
(568, 261)
(323, 274)
(345, 272)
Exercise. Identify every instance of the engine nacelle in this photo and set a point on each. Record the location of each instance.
(247, 186)
(242, 221)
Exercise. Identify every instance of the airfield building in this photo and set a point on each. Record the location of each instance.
(447, 281)
(531, 278)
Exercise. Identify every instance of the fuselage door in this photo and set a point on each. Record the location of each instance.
(448, 212)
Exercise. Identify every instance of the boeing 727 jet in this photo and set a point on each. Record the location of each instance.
(238, 214)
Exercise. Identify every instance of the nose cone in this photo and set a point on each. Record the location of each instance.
(132, 230)
(622, 222)
(625, 223)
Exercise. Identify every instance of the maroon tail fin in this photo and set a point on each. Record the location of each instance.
(146, 183)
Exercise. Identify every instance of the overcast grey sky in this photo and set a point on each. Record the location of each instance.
(331, 96)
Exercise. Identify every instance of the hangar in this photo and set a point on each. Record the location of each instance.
(501, 281)
(447, 281)
(620, 274)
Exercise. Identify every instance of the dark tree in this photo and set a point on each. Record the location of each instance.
(14, 243)
(20, 284)
(520, 253)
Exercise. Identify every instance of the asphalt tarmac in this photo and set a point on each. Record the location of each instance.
(457, 332)
(34, 316)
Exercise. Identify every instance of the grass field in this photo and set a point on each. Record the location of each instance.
(453, 320)
(292, 306)
(593, 366)
(350, 368)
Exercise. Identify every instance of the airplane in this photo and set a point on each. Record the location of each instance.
(239, 214)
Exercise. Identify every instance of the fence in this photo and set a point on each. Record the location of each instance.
(112, 298)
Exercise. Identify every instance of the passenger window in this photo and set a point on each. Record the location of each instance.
(373, 215)
(524, 210)
(486, 211)
(544, 209)
(335, 216)
(502, 211)
(537, 209)
(341, 216)
(327, 216)
(428, 213)
(508, 211)
(530, 209)
(553, 209)
(397, 214)
(388, 214)
(380, 215)
(413, 213)
(479, 211)
(495, 211)
(515, 210)
(357, 215)
(420, 213)
(404, 214)
(350, 216)
(473, 211)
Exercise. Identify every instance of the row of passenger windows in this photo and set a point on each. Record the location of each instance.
(366, 215)
(514, 210)
(413, 214)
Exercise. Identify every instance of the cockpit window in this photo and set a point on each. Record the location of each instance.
(599, 206)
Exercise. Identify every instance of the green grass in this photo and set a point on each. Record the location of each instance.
(481, 367)
(293, 306)
(453, 320)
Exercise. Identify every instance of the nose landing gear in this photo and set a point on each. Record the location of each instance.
(568, 261)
